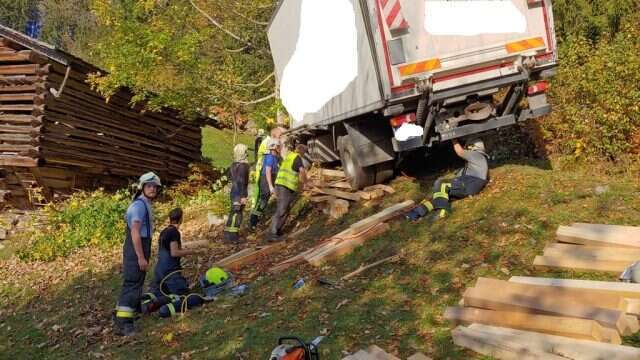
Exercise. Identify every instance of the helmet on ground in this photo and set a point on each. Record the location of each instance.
(149, 178)
(476, 144)
(216, 276)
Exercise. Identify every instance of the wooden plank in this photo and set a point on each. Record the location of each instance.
(607, 301)
(340, 185)
(339, 194)
(249, 258)
(332, 173)
(27, 69)
(419, 356)
(590, 236)
(377, 353)
(627, 290)
(494, 300)
(386, 188)
(371, 195)
(593, 251)
(385, 215)
(555, 325)
(615, 267)
(20, 161)
(19, 56)
(21, 119)
(320, 199)
(497, 347)
(561, 346)
(624, 230)
(347, 246)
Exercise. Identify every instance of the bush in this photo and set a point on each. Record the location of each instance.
(597, 97)
(86, 219)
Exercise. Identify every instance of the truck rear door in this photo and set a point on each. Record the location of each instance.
(461, 42)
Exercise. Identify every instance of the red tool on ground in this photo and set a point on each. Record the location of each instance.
(293, 348)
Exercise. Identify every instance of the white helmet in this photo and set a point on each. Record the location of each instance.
(149, 178)
(476, 144)
(273, 144)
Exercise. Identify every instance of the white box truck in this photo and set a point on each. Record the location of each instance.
(366, 81)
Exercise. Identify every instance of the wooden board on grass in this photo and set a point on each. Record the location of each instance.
(385, 215)
(339, 194)
(248, 256)
(599, 252)
(555, 325)
(589, 236)
(627, 290)
(567, 348)
(602, 300)
(333, 251)
(498, 300)
(616, 267)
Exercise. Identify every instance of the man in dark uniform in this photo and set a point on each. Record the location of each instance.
(469, 181)
(136, 253)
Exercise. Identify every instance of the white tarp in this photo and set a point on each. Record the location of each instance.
(325, 60)
(474, 17)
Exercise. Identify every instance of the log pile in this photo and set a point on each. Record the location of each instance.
(57, 134)
(545, 318)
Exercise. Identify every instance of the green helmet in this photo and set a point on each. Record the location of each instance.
(216, 276)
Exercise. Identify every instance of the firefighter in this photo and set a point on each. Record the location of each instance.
(136, 253)
(168, 283)
(239, 184)
(270, 166)
(469, 181)
(258, 140)
(292, 178)
(276, 133)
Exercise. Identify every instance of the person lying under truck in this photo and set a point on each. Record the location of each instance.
(239, 192)
(469, 181)
(169, 285)
(268, 175)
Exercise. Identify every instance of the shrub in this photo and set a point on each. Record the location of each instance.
(597, 97)
(86, 219)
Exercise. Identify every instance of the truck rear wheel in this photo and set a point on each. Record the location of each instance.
(359, 176)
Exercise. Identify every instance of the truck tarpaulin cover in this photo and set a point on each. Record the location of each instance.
(325, 60)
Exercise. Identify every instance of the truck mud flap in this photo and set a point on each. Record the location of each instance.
(371, 141)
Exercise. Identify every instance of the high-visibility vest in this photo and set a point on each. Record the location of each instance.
(262, 151)
(287, 177)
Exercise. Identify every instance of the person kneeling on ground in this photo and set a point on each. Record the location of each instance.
(169, 286)
(239, 192)
(267, 181)
(469, 181)
(291, 179)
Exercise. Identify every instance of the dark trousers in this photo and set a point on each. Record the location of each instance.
(264, 194)
(285, 198)
(133, 279)
(232, 228)
(461, 186)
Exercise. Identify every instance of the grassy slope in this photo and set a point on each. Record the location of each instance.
(217, 145)
(396, 306)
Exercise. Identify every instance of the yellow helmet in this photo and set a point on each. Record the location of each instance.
(216, 276)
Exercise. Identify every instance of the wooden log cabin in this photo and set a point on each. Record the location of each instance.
(57, 134)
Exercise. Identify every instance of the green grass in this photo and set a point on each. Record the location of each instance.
(217, 146)
(396, 306)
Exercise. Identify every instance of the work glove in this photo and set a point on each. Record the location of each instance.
(418, 212)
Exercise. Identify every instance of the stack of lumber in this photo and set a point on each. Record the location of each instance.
(592, 247)
(329, 185)
(248, 256)
(374, 352)
(537, 318)
(58, 134)
(346, 241)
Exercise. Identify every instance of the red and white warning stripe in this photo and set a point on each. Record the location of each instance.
(392, 11)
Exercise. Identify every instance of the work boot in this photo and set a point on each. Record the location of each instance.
(437, 215)
(123, 327)
(272, 238)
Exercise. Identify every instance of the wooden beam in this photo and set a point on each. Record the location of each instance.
(19, 161)
(384, 215)
(615, 267)
(555, 325)
(333, 173)
(624, 230)
(498, 347)
(607, 301)
(245, 257)
(339, 194)
(593, 251)
(596, 237)
(627, 290)
(28, 69)
(347, 246)
(561, 346)
(386, 188)
(498, 300)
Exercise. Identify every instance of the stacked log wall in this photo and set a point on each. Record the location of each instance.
(79, 139)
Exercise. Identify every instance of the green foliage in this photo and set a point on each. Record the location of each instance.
(69, 25)
(596, 93)
(170, 54)
(217, 146)
(591, 19)
(15, 13)
(86, 219)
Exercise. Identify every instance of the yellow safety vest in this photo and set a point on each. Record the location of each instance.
(287, 177)
(262, 151)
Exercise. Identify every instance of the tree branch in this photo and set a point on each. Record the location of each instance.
(218, 25)
(258, 100)
(251, 20)
(260, 83)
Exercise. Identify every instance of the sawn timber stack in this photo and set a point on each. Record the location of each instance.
(77, 139)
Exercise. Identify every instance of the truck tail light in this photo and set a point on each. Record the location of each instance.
(538, 88)
(397, 121)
